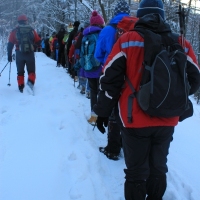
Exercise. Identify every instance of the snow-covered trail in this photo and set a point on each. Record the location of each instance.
(48, 151)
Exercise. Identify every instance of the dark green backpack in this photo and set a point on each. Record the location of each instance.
(25, 37)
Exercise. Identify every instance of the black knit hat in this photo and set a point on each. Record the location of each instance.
(150, 6)
(76, 23)
(122, 7)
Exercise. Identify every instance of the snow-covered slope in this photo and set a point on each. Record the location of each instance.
(48, 151)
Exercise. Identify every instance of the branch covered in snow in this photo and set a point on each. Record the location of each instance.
(85, 3)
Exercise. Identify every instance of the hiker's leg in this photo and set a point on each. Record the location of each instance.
(114, 135)
(156, 182)
(136, 146)
(94, 88)
(20, 63)
(30, 65)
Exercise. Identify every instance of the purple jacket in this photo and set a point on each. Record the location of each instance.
(97, 73)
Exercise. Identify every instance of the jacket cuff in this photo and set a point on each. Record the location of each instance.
(9, 48)
(104, 105)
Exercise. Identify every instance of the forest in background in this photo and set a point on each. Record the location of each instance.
(47, 16)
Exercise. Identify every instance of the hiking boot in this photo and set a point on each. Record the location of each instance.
(76, 78)
(110, 155)
(92, 120)
(30, 84)
(79, 87)
(31, 78)
(21, 87)
(88, 95)
(82, 90)
(20, 80)
(30, 87)
(58, 65)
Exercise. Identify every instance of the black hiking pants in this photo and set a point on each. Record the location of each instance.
(70, 69)
(47, 51)
(145, 152)
(61, 56)
(114, 135)
(94, 89)
(23, 59)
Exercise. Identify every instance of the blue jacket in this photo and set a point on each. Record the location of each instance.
(42, 44)
(106, 39)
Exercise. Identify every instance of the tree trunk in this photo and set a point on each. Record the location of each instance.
(187, 16)
(103, 11)
(75, 10)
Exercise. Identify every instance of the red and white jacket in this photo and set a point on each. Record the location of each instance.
(126, 59)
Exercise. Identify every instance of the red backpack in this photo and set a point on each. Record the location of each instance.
(126, 24)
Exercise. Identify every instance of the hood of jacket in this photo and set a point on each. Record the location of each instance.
(117, 18)
(91, 29)
(153, 22)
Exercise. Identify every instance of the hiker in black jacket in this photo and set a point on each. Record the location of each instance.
(146, 138)
(47, 47)
(69, 42)
(60, 36)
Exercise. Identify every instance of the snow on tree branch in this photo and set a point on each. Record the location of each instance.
(86, 4)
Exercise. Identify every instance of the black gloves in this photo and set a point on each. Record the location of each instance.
(101, 123)
(9, 51)
(9, 58)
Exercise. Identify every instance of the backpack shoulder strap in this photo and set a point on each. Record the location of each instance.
(152, 44)
(175, 36)
(130, 100)
(171, 41)
(95, 36)
(140, 31)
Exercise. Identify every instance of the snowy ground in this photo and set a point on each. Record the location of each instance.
(48, 151)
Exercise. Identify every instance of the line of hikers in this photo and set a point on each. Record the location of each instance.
(55, 46)
(117, 65)
(133, 77)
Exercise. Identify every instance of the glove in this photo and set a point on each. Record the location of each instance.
(101, 123)
(9, 58)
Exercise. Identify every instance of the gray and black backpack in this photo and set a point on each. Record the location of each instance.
(164, 87)
(25, 37)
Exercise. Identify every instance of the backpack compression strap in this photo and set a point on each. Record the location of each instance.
(130, 100)
(86, 50)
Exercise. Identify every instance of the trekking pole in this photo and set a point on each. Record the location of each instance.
(4, 68)
(198, 96)
(182, 15)
(94, 126)
(74, 80)
(74, 72)
(9, 75)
